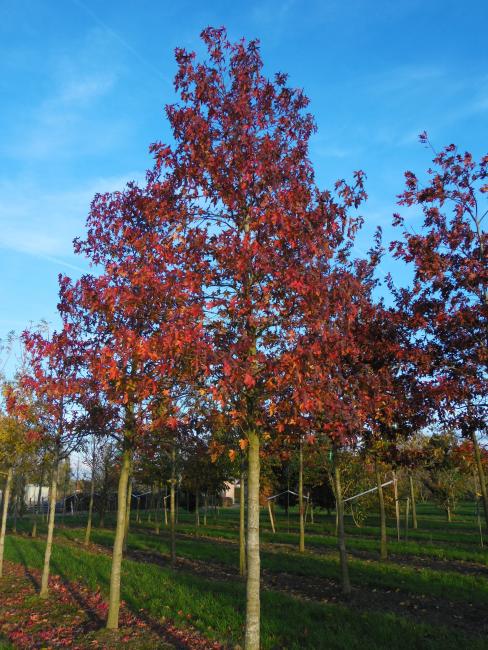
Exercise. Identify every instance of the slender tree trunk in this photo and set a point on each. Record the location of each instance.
(6, 499)
(448, 513)
(252, 636)
(205, 506)
(412, 500)
(50, 532)
(165, 505)
(172, 504)
(242, 528)
(157, 522)
(177, 503)
(127, 513)
(381, 503)
(397, 503)
(407, 508)
(65, 490)
(301, 545)
(38, 508)
(197, 509)
(46, 519)
(477, 501)
(90, 509)
(341, 535)
(16, 486)
(271, 518)
(481, 474)
(154, 503)
(114, 598)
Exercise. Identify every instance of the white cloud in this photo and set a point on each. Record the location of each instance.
(44, 223)
(69, 118)
(61, 125)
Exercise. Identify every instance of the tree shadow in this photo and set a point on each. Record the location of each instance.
(23, 561)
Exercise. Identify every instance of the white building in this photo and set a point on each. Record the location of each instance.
(31, 494)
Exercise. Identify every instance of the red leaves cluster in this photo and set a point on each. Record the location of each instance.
(448, 304)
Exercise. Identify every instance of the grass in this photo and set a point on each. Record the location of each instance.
(216, 606)
(447, 584)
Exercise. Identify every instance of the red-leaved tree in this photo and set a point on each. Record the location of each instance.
(139, 325)
(447, 306)
(245, 185)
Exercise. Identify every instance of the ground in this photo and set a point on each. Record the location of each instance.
(432, 593)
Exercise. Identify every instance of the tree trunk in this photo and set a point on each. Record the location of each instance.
(252, 636)
(114, 597)
(127, 513)
(301, 545)
(50, 532)
(154, 503)
(412, 500)
(172, 513)
(397, 503)
(165, 505)
(271, 518)
(90, 509)
(6, 498)
(205, 511)
(197, 509)
(37, 508)
(157, 522)
(46, 519)
(481, 475)
(341, 536)
(477, 501)
(381, 503)
(407, 507)
(242, 528)
(16, 486)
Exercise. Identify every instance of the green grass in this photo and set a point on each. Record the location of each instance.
(216, 607)
(447, 584)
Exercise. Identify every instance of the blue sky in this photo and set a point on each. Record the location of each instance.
(84, 82)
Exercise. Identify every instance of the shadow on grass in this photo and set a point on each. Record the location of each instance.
(23, 561)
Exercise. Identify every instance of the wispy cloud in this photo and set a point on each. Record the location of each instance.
(67, 119)
(272, 16)
(59, 126)
(121, 40)
(44, 223)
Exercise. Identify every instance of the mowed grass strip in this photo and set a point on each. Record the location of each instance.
(448, 585)
(217, 608)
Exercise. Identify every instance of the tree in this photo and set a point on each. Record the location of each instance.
(244, 183)
(15, 445)
(138, 327)
(447, 476)
(51, 376)
(448, 302)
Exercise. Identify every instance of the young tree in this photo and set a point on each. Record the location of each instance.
(16, 445)
(139, 328)
(52, 377)
(245, 184)
(448, 302)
